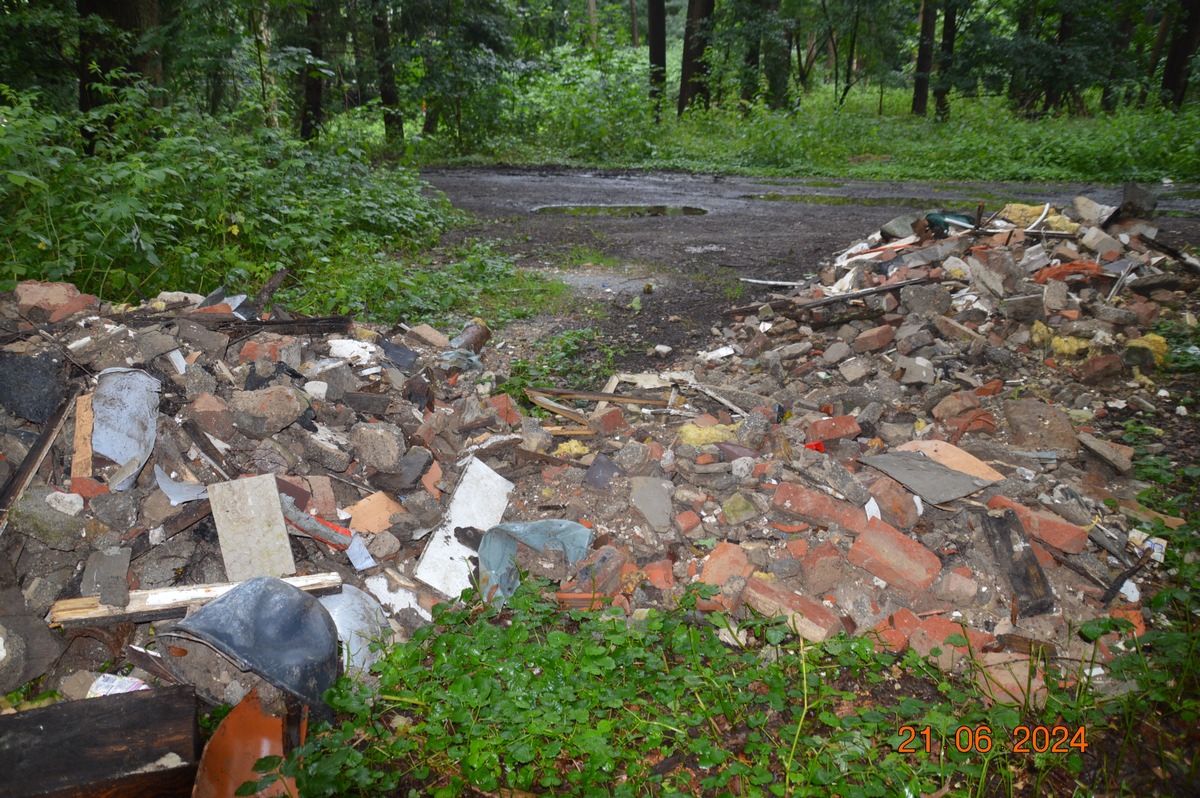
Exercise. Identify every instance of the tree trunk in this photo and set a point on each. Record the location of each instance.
(312, 114)
(941, 93)
(750, 62)
(102, 50)
(693, 83)
(656, 35)
(1020, 84)
(777, 59)
(633, 23)
(1160, 41)
(593, 21)
(360, 93)
(1183, 45)
(100, 44)
(920, 100)
(389, 98)
(1052, 80)
(1118, 52)
(851, 48)
(262, 52)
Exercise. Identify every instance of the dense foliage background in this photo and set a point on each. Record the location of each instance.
(186, 143)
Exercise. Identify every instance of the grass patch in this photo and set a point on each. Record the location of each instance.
(472, 280)
(581, 255)
(578, 359)
(587, 703)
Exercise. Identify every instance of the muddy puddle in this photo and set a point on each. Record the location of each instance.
(628, 211)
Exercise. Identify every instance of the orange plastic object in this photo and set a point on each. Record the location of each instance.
(247, 734)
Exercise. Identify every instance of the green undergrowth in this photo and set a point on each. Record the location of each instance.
(535, 699)
(387, 286)
(176, 200)
(592, 110)
(578, 359)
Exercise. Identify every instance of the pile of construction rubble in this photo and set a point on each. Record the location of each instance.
(912, 448)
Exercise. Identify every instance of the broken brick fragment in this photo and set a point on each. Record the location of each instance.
(804, 615)
(894, 557)
(817, 507)
(831, 429)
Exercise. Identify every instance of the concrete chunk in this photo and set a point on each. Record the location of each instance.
(251, 528)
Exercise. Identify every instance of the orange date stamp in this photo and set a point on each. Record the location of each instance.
(979, 739)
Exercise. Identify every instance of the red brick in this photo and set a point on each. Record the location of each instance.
(940, 627)
(610, 422)
(895, 558)
(889, 639)
(506, 409)
(1100, 368)
(797, 548)
(905, 620)
(1045, 526)
(1134, 616)
(656, 451)
(272, 348)
(955, 404)
(1006, 678)
(72, 306)
(706, 459)
(806, 616)
(1146, 312)
(705, 420)
(87, 487)
(822, 568)
(1044, 558)
(830, 429)
(660, 574)
(817, 507)
(958, 587)
(687, 521)
(39, 300)
(757, 345)
(875, 338)
(727, 567)
(212, 414)
(896, 504)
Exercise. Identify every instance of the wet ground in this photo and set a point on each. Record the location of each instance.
(678, 243)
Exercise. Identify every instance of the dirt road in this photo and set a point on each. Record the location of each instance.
(692, 236)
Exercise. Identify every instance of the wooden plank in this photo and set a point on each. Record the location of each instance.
(547, 403)
(81, 461)
(131, 745)
(1016, 559)
(571, 432)
(167, 602)
(599, 396)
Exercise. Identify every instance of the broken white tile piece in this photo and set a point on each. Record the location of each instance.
(479, 501)
(250, 528)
